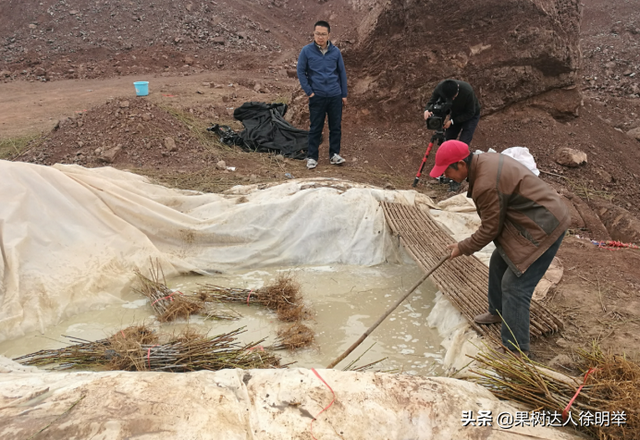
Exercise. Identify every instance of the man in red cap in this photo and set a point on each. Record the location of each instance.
(523, 216)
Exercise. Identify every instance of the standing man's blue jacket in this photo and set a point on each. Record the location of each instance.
(323, 75)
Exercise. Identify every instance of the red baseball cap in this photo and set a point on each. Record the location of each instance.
(449, 152)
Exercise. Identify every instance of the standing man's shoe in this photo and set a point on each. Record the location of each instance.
(487, 318)
(337, 160)
(311, 163)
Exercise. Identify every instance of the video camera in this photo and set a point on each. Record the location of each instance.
(440, 109)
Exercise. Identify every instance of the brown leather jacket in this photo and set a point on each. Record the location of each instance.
(520, 213)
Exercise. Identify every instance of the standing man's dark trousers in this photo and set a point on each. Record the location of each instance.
(510, 295)
(467, 128)
(320, 106)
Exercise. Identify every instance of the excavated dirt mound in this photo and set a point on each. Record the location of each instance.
(611, 48)
(123, 133)
(508, 49)
(44, 40)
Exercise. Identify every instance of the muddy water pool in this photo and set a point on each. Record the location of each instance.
(344, 300)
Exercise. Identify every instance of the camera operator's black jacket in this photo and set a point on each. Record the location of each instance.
(464, 107)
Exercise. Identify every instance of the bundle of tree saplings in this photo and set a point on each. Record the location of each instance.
(293, 337)
(170, 305)
(282, 296)
(609, 386)
(140, 349)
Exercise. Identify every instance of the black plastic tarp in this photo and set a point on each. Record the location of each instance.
(265, 130)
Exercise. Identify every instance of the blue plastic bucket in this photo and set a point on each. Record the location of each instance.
(142, 88)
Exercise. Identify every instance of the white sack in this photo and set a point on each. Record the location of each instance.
(522, 155)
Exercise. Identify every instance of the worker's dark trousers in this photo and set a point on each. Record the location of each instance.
(467, 128)
(510, 295)
(319, 106)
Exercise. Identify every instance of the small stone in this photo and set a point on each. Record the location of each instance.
(109, 155)
(561, 360)
(170, 144)
(221, 165)
(123, 104)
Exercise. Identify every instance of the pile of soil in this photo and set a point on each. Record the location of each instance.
(611, 49)
(44, 40)
(123, 133)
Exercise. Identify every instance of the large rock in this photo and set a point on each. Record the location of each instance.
(577, 222)
(592, 223)
(509, 50)
(621, 224)
(570, 157)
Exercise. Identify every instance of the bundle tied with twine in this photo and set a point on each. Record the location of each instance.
(610, 384)
(169, 305)
(294, 337)
(140, 349)
(282, 296)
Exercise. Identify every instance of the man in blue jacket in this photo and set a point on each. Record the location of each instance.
(323, 78)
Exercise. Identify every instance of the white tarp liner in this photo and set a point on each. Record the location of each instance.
(254, 404)
(72, 237)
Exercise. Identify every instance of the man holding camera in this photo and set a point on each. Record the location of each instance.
(523, 216)
(464, 108)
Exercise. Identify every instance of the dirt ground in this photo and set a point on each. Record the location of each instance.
(88, 114)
